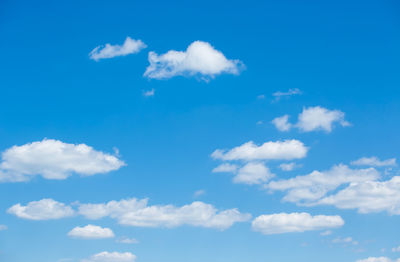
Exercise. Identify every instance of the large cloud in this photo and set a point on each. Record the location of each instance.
(44, 209)
(294, 222)
(309, 188)
(111, 257)
(134, 212)
(200, 58)
(53, 159)
(285, 150)
(91, 232)
(130, 46)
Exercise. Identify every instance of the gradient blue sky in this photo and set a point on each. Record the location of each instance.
(342, 55)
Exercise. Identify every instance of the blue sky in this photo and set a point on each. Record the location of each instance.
(204, 131)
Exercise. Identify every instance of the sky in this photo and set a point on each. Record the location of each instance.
(181, 131)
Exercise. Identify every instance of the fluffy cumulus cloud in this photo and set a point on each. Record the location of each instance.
(111, 257)
(282, 123)
(378, 259)
(91, 232)
(134, 212)
(130, 46)
(284, 150)
(374, 161)
(44, 209)
(309, 189)
(294, 222)
(368, 197)
(53, 159)
(319, 118)
(199, 59)
(251, 173)
(312, 119)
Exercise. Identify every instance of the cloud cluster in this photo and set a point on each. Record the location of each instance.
(279, 150)
(374, 161)
(134, 212)
(294, 222)
(44, 209)
(130, 46)
(111, 257)
(308, 189)
(312, 119)
(53, 159)
(200, 58)
(91, 232)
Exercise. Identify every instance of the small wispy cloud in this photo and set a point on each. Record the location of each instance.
(148, 93)
(291, 92)
(130, 46)
(199, 193)
(3, 227)
(126, 240)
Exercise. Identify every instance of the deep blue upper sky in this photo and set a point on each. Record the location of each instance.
(342, 55)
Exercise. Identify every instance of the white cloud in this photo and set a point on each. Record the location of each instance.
(200, 58)
(3, 227)
(319, 118)
(149, 92)
(326, 233)
(378, 259)
(396, 249)
(134, 212)
(53, 159)
(294, 222)
(225, 168)
(282, 123)
(44, 209)
(288, 166)
(346, 240)
(253, 173)
(111, 257)
(126, 240)
(130, 46)
(288, 149)
(290, 92)
(91, 232)
(367, 196)
(199, 193)
(310, 188)
(374, 161)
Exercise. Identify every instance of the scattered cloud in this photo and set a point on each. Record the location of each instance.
(289, 166)
(111, 257)
(378, 259)
(319, 118)
(134, 212)
(253, 173)
(283, 150)
(225, 168)
(126, 240)
(3, 227)
(91, 232)
(368, 197)
(44, 209)
(149, 92)
(326, 233)
(53, 159)
(346, 240)
(130, 46)
(261, 97)
(396, 249)
(374, 161)
(308, 189)
(291, 92)
(294, 222)
(199, 59)
(199, 193)
(282, 123)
